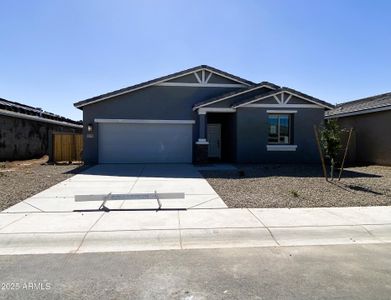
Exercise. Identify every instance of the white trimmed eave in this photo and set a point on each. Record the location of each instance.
(160, 82)
(234, 95)
(204, 110)
(362, 112)
(202, 85)
(37, 118)
(144, 121)
(281, 105)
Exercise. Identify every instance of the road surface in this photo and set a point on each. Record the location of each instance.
(309, 272)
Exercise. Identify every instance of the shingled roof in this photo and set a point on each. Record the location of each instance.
(18, 109)
(159, 80)
(361, 106)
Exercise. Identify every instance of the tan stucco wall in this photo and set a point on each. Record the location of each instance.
(372, 136)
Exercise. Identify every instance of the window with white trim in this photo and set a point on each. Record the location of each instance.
(279, 131)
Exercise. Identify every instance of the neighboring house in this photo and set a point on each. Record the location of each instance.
(371, 120)
(25, 131)
(201, 114)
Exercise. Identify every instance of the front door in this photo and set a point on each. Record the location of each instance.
(214, 139)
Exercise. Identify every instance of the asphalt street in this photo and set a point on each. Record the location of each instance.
(307, 272)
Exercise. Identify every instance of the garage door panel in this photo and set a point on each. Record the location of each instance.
(145, 143)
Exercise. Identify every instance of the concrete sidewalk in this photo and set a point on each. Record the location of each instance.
(70, 232)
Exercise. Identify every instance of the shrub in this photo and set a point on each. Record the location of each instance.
(330, 141)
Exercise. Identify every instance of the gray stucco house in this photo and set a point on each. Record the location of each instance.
(201, 114)
(370, 119)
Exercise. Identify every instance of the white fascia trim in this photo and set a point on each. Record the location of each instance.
(277, 93)
(135, 89)
(362, 112)
(142, 121)
(234, 95)
(158, 82)
(228, 77)
(203, 85)
(284, 106)
(205, 110)
(36, 118)
(258, 99)
(278, 111)
(281, 147)
(309, 100)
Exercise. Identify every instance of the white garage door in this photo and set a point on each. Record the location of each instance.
(145, 143)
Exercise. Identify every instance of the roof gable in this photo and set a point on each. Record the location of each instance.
(239, 94)
(282, 96)
(204, 76)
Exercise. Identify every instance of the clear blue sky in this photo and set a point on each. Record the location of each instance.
(54, 53)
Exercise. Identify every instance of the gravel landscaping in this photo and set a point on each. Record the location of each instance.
(25, 179)
(300, 186)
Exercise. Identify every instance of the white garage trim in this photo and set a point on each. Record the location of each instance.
(145, 143)
(281, 111)
(142, 121)
(204, 110)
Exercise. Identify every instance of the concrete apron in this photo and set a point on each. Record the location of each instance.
(72, 232)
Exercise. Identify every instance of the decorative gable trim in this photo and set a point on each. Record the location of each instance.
(281, 100)
(202, 82)
(189, 84)
(283, 106)
(202, 77)
(234, 95)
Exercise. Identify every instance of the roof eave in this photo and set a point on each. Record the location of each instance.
(159, 80)
(250, 89)
(289, 91)
(359, 112)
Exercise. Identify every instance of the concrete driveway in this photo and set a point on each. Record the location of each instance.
(126, 178)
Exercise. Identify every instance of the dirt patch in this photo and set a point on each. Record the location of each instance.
(300, 186)
(20, 180)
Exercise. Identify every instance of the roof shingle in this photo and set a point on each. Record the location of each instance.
(361, 105)
(33, 111)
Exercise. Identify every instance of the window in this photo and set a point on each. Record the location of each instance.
(279, 129)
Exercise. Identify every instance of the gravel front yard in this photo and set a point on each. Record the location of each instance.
(301, 186)
(18, 182)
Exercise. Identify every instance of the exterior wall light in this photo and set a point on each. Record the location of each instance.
(89, 128)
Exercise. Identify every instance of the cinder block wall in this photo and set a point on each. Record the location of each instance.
(26, 139)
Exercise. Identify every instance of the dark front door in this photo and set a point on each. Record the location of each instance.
(214, 139)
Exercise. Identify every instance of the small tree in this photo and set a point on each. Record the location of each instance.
(330, 140)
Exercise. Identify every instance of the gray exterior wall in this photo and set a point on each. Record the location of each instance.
(372, 137)
(26, 139)
(156, 102)
(252, 135)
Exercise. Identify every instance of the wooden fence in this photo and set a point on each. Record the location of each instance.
(67, 147)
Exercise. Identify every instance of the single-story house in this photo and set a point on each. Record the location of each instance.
(25, 131)
(370, 119)
(201, 114)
